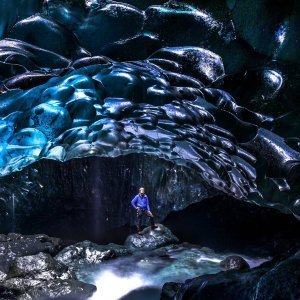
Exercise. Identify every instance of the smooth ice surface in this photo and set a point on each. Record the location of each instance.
(169, 95)
(113, 108)
(118, 109)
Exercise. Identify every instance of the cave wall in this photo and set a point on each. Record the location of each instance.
(90, 197)
(228, 225)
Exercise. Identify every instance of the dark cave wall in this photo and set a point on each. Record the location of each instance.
(229, 225)
(89, 197)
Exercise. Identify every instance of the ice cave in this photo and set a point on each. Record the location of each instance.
(181, 113)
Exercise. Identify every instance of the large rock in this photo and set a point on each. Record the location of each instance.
(150, 239)
(19, 285)
(41, 266)
(279, 279)
(15, 245)
(42, 277)
(60, 289)
(169, 290)
(234, 262)
(87, 252)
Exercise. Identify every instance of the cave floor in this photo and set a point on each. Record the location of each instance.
(141, 275)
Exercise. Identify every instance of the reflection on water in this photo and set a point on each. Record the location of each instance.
(113, 286)
(142, 275)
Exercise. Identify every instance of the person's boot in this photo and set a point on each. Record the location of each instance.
(139, 231)
(153, 226)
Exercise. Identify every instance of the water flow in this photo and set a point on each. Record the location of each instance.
(142, 275)
(145, 272)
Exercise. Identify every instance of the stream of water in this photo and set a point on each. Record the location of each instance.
(142, 275)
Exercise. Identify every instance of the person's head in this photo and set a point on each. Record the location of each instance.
(142, 191)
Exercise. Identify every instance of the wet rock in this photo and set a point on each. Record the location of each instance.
(39, 267)
(234, 262)
(278, 279)
(19, 285)
(150, 239)
(3, 276)
(60, 289)
(87, 252)
(37, 276)
(14, 245)
(148, 292)
(169, 290)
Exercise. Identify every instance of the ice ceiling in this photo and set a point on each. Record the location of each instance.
(104, 78)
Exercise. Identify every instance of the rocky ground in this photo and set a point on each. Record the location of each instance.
(41, 267)
(28, 270)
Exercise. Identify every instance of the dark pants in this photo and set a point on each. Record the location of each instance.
(139, 214)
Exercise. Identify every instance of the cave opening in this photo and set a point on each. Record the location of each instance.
(89, 199)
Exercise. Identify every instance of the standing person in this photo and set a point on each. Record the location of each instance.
(141, 203)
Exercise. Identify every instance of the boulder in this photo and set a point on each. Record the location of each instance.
(16, 245)
(234, 262)
(41, 266)
(41, 277)
(148, 292)
(19, 285)
(88, 252)
(169, 290)
(60, 289)
(37, 276)
(150, 239)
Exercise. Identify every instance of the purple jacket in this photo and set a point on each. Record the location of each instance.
(140, 201)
